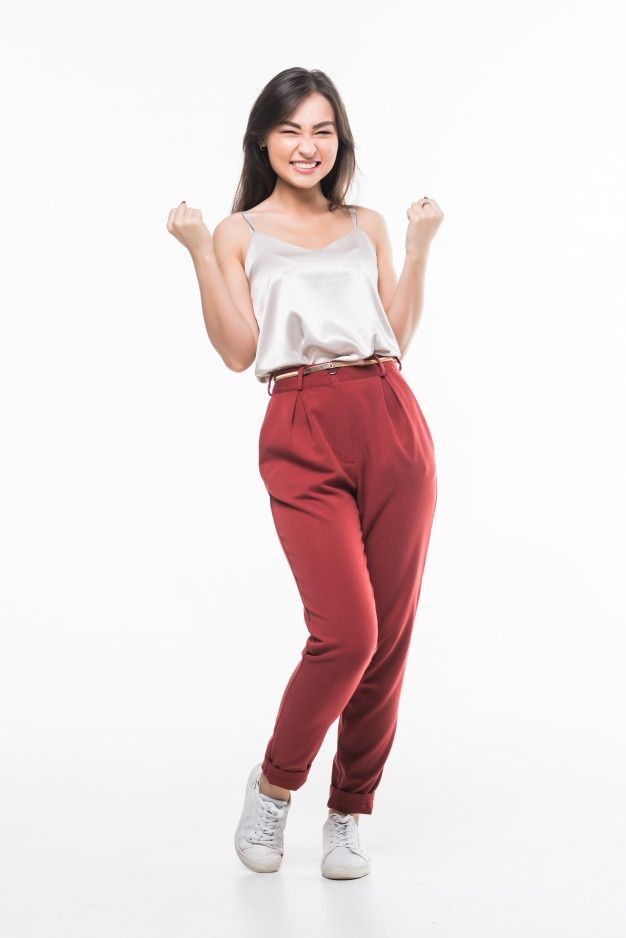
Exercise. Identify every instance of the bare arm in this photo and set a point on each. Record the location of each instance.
(224, 292)
(403, 299)
(406, 308)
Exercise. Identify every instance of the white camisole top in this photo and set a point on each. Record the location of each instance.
(315, 305)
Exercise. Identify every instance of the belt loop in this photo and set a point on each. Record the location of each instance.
(399, 362)
(381, 365)
(300, 377)
(269, 383)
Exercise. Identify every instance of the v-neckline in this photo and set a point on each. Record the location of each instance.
(301, 247)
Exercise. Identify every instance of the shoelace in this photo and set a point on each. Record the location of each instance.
(342, 833)
(267, 830)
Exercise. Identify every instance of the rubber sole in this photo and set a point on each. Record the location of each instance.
(255, 865)
(344, 872)
(252, 864)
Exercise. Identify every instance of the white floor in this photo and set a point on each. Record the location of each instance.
(135, 841)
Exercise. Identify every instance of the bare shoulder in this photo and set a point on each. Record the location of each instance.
(231, 237)
(375, 226)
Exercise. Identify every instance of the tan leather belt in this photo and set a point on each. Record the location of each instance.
(336, 364)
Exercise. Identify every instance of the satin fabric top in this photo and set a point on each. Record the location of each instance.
(316, 304)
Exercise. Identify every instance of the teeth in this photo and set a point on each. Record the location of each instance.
(305, 165)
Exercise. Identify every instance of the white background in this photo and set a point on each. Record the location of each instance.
(149, 618)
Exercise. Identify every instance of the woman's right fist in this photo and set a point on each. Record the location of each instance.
(187, 226)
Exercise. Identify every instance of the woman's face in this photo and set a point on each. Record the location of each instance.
(309, 136)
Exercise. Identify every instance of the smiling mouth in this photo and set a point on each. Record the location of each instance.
(310, 163)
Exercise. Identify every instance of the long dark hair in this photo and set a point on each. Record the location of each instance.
(275, 104)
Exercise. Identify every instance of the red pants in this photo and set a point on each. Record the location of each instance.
(348, 460)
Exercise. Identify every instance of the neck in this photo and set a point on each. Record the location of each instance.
(293, 201)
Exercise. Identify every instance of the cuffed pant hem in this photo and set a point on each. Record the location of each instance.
(283, 778)
(350, 803)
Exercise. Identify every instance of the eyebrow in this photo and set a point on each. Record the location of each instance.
(315, 126)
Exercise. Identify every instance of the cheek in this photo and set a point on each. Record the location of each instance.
(280, 147)
(328, 159)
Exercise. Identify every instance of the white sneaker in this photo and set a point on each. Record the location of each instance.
(342, 854)
(259, 836)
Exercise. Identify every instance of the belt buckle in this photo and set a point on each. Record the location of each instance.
(333, 369)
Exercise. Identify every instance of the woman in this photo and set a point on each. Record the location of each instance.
(302, 285)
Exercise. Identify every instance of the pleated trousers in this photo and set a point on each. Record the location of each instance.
(348, 461)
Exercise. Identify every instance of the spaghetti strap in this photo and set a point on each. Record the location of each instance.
(245, 215)
(352, 211)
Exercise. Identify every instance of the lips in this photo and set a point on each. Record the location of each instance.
(304, 170)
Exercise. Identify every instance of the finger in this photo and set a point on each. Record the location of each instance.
(428, 206)
(174, 216)
(181, 211)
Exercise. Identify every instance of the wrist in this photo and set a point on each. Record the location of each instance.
(417, 254)
(201, 254)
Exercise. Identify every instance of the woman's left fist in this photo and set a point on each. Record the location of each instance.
(424, 216)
